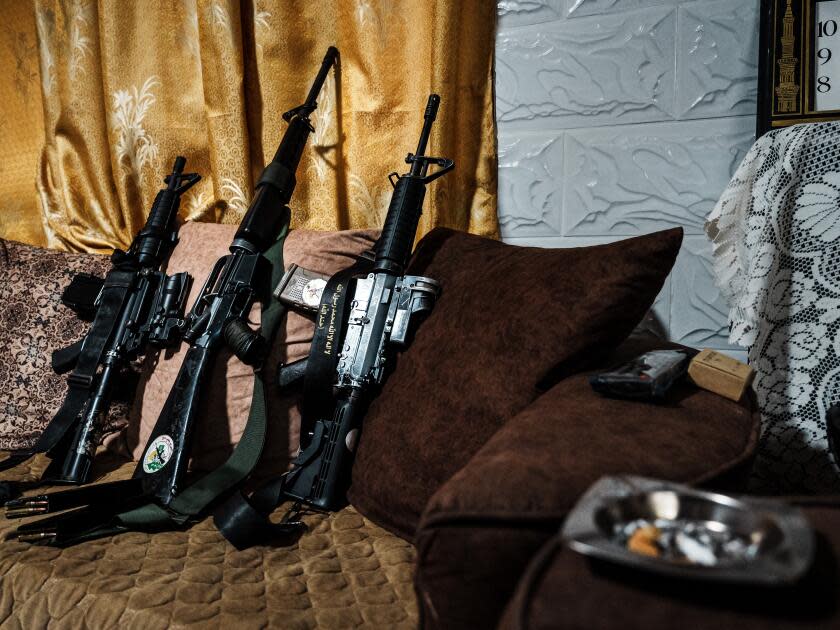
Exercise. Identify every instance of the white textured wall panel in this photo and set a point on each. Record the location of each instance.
(623, 117)
(577, 8)
(640, 178)
(530, 184)
(601, 70)
(698, 313)
(717, 58)
(512, 12)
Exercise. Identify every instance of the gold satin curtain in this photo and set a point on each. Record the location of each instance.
(98, 97)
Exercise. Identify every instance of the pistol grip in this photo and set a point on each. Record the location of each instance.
(290, 375)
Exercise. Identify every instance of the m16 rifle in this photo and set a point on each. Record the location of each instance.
(219, 316)
(157, 495)
(384, 308)
(137, 306)
(347, 360)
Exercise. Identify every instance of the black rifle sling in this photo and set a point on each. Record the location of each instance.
(244, 521)
(321, 364)
(115, 292)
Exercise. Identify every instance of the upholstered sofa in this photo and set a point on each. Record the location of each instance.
(560, 589)
(457, 485)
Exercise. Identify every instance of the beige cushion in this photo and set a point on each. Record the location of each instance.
(224, 410)
(345, 572)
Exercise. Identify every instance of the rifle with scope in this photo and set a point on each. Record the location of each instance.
(136, 307)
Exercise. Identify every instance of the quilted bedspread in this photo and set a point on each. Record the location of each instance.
(345, 572)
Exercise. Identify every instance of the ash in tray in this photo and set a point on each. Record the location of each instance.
(686, 542)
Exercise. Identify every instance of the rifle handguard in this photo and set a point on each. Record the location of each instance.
(152, 240)
(397, 240)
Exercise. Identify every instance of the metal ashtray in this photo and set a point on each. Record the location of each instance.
(677, 530)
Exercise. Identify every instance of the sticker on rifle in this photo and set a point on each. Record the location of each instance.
(159, 452)
(312, 292)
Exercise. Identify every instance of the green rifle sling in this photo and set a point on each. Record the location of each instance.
(195, 498)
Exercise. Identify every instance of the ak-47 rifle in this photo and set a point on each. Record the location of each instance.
(157, 494)
(137, 306)
(346, 362)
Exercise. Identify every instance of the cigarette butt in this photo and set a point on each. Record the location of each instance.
(643, 541)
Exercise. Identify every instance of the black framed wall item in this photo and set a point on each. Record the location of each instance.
(799, 63)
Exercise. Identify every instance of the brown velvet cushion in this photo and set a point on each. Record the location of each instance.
(562, 589)
(33, 323)
(224, 411)
(481, 528)
(508, 318)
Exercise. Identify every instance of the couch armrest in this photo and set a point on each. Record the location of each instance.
(562, 589)
(481, 528)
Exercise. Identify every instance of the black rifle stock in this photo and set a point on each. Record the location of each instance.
(383, 305)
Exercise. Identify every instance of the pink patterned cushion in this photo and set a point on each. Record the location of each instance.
(33, 323)
(224, 412)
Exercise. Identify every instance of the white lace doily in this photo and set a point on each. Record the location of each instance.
(776, 235)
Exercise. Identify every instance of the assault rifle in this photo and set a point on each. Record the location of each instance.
(135, 307)
(157, 495)
(364, 312)
(384, 308)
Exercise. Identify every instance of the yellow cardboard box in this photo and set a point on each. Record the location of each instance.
(720, 374)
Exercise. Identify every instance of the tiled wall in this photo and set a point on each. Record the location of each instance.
(622, 117)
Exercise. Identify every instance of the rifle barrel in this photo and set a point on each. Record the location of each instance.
(418, 167)
(329, 59)
(177, 169)
(267, 212)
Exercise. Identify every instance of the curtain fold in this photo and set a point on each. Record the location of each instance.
(21, 124)
(121, 88)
